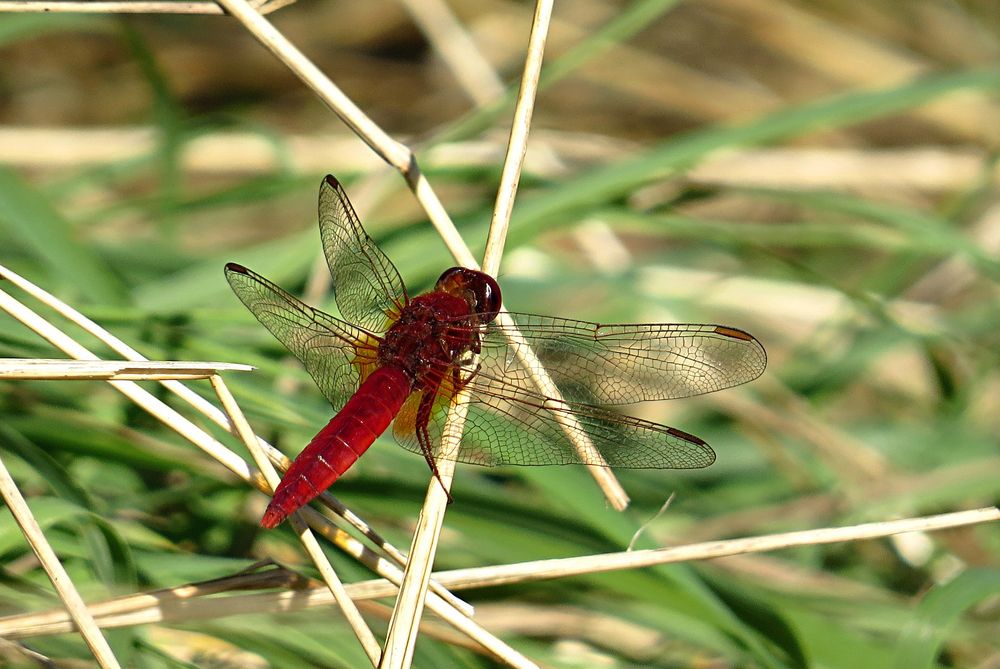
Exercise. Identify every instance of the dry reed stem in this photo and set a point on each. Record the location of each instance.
(112, 370)
(189, 602)
(456, 616)
(405, 621)
(506, 192)
(129, 7)
(75, 606)
(319, 522)
(595, 564)
(112, 613)
(517, 143)
(308, 539)
(404, 624)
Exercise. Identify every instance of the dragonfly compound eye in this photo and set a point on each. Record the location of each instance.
(488, 298)
(479, 286)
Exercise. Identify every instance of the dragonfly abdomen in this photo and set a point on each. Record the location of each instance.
(341, 442)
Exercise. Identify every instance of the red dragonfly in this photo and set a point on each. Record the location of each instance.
(407, 358)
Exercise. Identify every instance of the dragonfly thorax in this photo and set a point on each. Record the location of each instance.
(432, 332)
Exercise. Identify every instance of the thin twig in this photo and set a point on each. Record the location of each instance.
(595, 564)
(405, 621)
(149, 610)
(513, 161)
(308, 539)
(112, 370)
(517, 144)
(642, 528)
(112, 7)
(128, 7)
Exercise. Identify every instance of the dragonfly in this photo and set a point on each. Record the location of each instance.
(406, 360)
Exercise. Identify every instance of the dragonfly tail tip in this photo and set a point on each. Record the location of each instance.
(272, 518)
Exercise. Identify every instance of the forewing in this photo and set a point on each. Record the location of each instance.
(367, 286)
(620, 364)
(336, 354)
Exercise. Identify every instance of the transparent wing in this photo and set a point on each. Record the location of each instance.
(620, 364)
(336, 354)
(367, 286)
(507, 425)
(510, 422)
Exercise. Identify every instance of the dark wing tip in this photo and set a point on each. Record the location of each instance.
(235, 267)
(701, 444)
(331, 181)
(736, 333)
(686, 436)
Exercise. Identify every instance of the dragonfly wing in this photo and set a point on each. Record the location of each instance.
(509, 421)
(336, 354)
(510, 425)
(620, 364)
(367, 286)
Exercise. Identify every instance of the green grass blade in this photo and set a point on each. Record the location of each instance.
(938, 614)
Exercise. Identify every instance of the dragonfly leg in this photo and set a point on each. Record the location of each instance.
(424, 439)
(459, 381)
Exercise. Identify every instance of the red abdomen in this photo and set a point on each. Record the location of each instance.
(338, 445)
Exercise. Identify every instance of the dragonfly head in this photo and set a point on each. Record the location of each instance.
(477, 288)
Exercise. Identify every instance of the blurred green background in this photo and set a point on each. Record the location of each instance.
(821, 174)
